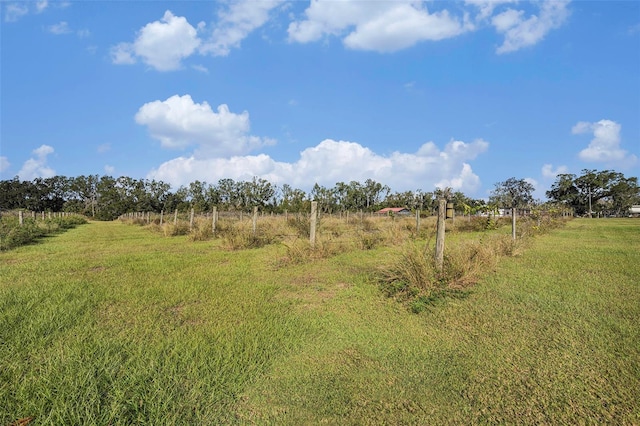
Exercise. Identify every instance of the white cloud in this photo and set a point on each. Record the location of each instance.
(519, 32)
(200, 68)
(486, 7)
(15, 11)
(549, 173)
(123, 54)
(109, 169)
(166, 43)
(41, 6)
(178, 122)
(236, 23)
(605, 146)
(581, 127)
(4, 164)
(333, 161)
(378, 26)
(59, 28)
(36, 166)
(160, 44)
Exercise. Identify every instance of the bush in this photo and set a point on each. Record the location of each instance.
(13, 235)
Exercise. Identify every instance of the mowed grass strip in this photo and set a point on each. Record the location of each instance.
(110, 324)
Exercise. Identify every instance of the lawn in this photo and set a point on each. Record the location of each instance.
(113, 324)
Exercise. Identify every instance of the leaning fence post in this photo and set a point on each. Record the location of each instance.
(314, 217)
(442, 206)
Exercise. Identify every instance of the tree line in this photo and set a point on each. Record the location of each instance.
(106, 197)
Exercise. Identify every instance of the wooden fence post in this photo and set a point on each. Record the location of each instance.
(314, 217)
(214, 221)
(191, 220)
(20, 218)
(513, 223)
(254, 223)
(161, 216)
(417, 222)
(442, 207)
(175, 217)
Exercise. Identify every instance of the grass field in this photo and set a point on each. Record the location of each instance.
(113, 324)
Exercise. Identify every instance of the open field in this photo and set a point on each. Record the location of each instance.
(113, 324)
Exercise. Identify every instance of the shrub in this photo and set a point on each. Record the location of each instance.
(13, 235)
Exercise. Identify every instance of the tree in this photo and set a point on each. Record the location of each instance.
(564, 191)
(513, 193)
(602, 192)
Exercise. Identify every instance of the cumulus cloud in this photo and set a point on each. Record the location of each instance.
(333, 161)
(548, 172)
(160, 44)
(236, 23)
(164, 44)
(521, 31)
(36, 166)
(377, 26)
(179, 122)
(605, 145)
(4, 164)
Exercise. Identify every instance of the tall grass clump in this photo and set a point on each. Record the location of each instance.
(240, 235)
(412, 276)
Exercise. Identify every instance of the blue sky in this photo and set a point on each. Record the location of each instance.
(414, 95)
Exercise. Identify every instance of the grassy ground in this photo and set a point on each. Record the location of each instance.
(111, 324)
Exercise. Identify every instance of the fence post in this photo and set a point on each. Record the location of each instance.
(161, 216)
(214, 221)
(20, 218)
(417, 222)
(442, 206)
(254, 223)
(175, 217)
(314, 217)
(191, 220)
(513, 223)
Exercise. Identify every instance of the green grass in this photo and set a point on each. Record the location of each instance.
(112, 324)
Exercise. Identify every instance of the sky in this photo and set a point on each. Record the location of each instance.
(415, 95)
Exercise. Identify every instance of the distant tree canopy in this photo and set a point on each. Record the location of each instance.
(512, 193)
(106, 197)
(608, 192)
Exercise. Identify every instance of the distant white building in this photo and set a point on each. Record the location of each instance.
(635, 210)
